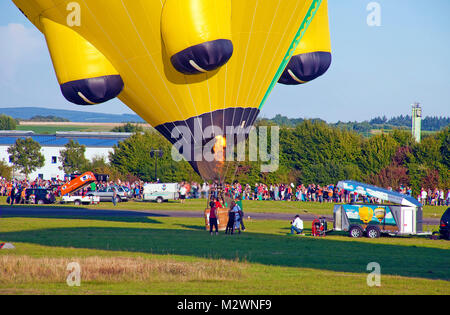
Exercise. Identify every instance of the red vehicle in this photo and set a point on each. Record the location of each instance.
(319, 227)
(78, 183)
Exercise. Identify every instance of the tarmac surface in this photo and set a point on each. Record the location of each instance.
(75, 212)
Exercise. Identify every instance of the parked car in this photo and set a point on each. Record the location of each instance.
(41, 196)
(129, 192)
(444, 226)
(106, 194)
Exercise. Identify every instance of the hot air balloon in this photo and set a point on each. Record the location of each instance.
(312, 57)
(185, 66)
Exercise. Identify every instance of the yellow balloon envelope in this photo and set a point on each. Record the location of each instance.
(176, 63)
(312, 57)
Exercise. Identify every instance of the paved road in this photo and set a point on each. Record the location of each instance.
(42, 211)
(71, 212)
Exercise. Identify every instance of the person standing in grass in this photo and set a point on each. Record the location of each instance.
(13, 195)
(114, 198)
(297, 225)
(213, 218)
(93, 186)
(231, 215)
(236, 218)
(23, 196)
(183, 192)
(241, 213)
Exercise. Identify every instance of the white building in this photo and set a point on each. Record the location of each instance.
(97, 145)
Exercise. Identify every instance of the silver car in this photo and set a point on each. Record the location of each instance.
(106, 194)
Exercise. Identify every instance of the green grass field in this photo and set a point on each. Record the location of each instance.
(52, 129)
(141, 255)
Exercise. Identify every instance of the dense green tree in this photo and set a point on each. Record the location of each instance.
(365, 127)
(7, 123)
(72, 158)
(445, 146)
(315, 145)
(132, 156)
(5, 170)
(330, 172)
(377, 153)
(49, 118)
(26, 155)
(404, 138)
(99, 165)
(128, 127)
(392, 176)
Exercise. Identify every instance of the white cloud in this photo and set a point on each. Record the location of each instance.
(20, 47)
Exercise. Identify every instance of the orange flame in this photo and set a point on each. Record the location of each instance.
(219, 148)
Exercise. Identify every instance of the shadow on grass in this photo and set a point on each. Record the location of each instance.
(78, 213)
(128, 219)
(192, 227)
(290, 251)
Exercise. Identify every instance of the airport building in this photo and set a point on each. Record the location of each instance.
(98, 144)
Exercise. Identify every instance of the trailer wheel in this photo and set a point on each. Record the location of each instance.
(355, 231)
(373, 232)
(77, 202)
(159, 200)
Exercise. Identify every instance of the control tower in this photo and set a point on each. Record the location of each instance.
(416, 121)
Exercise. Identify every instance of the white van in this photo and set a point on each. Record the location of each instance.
(161, 192)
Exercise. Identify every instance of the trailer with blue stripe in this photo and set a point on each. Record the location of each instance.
(393, 214)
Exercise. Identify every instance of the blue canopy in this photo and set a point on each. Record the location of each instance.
(380, 193)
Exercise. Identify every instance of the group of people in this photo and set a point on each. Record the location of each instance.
(235, 216)
(435, 197)
(259, 191)
(16, 190)
(306, 193)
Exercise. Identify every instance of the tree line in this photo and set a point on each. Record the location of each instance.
(429, 123)
(311, 152)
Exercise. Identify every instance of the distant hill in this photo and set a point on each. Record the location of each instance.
(26, 113)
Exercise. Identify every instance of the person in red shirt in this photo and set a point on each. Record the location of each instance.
(217, 203)
(213, 218)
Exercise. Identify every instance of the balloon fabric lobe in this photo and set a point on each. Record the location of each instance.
(182, 65)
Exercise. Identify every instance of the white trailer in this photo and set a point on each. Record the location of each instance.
(161, 192)
(400, 215)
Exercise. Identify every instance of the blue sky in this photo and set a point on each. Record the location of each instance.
(376, 71)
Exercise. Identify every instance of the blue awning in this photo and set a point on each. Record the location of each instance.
(380, 193)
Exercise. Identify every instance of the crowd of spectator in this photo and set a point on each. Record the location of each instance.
(307, 193)
(16, 190)
(435, 197)
(259, 191)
